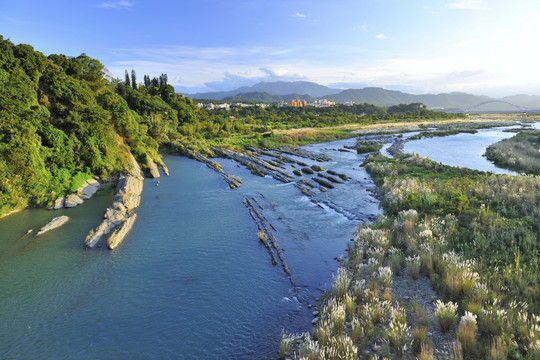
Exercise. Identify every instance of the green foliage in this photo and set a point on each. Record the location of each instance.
(519, 153)
(62, 121)
(363, 147)
(497, 216)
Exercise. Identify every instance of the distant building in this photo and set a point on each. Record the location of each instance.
(323, 103)
(298, 103)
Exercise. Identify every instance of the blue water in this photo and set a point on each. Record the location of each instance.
(190, 281)
(463, 150)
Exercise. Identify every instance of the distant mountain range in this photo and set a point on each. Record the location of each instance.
(304, 90)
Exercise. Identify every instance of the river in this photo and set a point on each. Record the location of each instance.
(192, 279)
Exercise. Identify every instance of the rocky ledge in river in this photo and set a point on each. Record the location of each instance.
(84, 192)
(55, 223)
(152, 168)
(304, 154)
(267, 238)
(256, 165)
(126, 199)
(233, 181)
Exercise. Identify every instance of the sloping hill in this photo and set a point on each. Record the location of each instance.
(272, 88)
(266, 97)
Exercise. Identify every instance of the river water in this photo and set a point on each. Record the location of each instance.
(192, 279)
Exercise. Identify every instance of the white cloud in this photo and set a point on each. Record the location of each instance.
(381, 36)
(123, 4)
(282, 73)
(196, 69)
(300, 15)
(467, 5)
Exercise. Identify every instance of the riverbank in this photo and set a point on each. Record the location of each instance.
(520, 153)
(457, 248)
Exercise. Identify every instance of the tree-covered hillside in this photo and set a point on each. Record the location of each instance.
(63, 120)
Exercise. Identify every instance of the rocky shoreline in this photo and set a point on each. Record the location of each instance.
(233, 181)
(126, 199)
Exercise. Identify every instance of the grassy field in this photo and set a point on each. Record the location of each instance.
(520, 153)
(466, 241)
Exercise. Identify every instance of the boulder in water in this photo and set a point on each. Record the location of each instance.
(88, 189)
(58, 203)
(152, 168)
(53, 224)
(73, 200)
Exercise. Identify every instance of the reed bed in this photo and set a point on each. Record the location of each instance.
(473, 235)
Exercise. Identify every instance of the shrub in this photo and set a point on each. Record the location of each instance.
(285, 346)
(395, 260)
(445, 314)
(497, 349)
(341, 347)
(357, 330)
(397, 334)
(466, 333)
(413, 265)
(426, 353)
(350, 305)
(492, 321)
(419, 337)
(342, 282)
(385, 277)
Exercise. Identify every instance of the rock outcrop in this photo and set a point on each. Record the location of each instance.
(267, 238)
(152, 168)
(88, 189)
(73, 200)
(322, 182)
(343, 176)
(164, 167)
(58, 203)
(119, 234)
(396, 147)
(308, 171)
(304, 154)
(331, 178)
(126, 199)
(55, 223)
(232, 180)
(84, 192)
(256, 165)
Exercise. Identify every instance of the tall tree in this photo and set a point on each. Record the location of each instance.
(127, 79)
(163, 79)
(147, 80)
(133, 80)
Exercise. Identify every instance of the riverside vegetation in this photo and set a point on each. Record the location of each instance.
(519, 153)
(472, 236)
(64, 120)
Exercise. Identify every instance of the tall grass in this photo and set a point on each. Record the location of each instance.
(519, 153)
(474, 237)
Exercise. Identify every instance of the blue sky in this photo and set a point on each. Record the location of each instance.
(478, 46)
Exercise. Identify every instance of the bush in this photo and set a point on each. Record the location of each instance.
(445, 314)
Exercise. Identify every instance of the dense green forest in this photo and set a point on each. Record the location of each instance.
(64, 119)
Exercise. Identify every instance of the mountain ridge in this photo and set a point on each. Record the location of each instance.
(304, 90)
